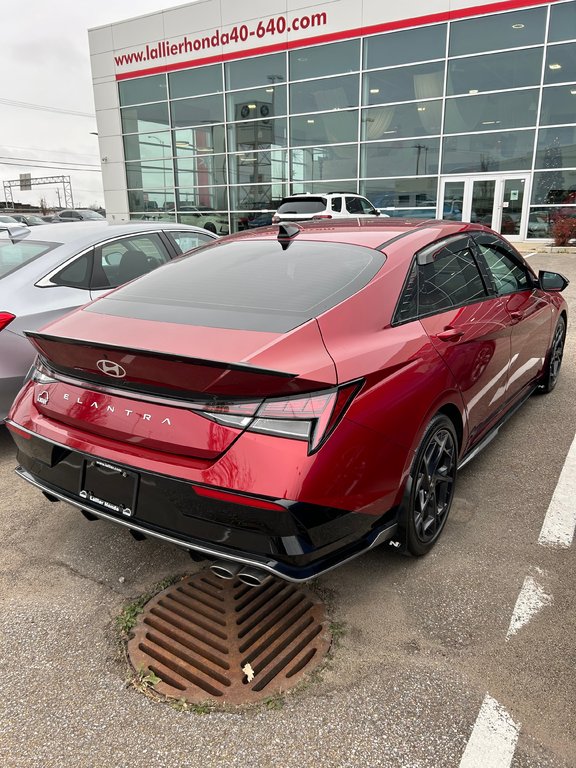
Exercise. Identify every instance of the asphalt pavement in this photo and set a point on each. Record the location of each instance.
(470, 648)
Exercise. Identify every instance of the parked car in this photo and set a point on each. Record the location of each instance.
(78, 214)
(333, 205)
(287, 398)
(29, 219)
(203, 216)
(47, 271)
(5, 219)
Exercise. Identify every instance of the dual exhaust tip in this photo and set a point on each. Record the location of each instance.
(253, 577)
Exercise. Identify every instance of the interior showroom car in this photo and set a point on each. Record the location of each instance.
(284, 399)
(47, 271)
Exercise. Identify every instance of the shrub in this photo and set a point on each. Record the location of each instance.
(564, 230)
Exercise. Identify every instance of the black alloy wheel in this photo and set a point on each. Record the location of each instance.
(432, 482)
(554, 359)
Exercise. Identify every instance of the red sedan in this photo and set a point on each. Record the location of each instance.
(287, 398)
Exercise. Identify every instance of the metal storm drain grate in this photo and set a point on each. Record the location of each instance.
(205, 637)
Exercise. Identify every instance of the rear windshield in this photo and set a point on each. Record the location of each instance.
(15, 255)
(247, 284)
(298, 205)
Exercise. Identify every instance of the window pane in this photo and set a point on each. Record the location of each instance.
(123, 260)
(159, 216)
(215, 198)
(204, 216)
(507, 151)
(558, 104)
(494, 72)
(405, 46)
(541, 220)
(561, 63)
(152, 202)
(200, 170)
(146, 119)
(555, 187)
(401, 158)
(424, 81)
(556, 148)
(491, 112)
(322, 187)
(332, 127)
(500, 30)
(195, 82)
(193, 141)
(417, 119)
(562, 22)
(257, 103)
(142, 90)
(77, 274)
(204, 109)
(452, 279)
(153, 174)
(337, 162)
(401, 193)
(255, 167)
(147, 146)
(257, 134)
(507, 275)
(185, 241)
(321, 60)
(257, 197)
(259, 70)
(319, 95)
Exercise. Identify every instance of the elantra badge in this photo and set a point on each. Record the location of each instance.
(43, 398)
(110, 368)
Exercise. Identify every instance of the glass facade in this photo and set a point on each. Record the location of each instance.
(392, 116)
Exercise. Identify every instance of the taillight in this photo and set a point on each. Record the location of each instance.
(308, 417)
(5, 319)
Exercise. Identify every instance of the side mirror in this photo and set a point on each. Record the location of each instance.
(552, 281)
(377, 212)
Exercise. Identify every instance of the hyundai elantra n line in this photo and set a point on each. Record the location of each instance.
(287, 398)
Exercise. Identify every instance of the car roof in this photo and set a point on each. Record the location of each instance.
(370, 232)
(88, 232)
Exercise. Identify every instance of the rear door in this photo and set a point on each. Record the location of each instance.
(468, 326)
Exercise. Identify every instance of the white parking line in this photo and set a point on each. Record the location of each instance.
(560, 520)
(493, 738)
(531, 599)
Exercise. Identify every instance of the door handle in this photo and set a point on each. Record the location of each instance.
(450, 334)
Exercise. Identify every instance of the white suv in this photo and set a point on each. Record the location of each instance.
(332, 205)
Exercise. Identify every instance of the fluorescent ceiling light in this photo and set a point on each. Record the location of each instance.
(473, 90)
(374, 90)
(310, 121)
(518, 26)
(554, 66)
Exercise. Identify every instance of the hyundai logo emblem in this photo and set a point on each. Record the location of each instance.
(110, 368)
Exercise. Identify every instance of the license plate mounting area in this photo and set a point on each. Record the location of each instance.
(111, 488)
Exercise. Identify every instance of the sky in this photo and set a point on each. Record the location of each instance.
(45, 61)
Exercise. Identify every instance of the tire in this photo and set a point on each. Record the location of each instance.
(210, 227)
(554, 358)
(430, 488)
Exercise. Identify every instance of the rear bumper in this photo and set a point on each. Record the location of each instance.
(293, 540)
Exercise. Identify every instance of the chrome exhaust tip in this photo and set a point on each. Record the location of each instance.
(226, 570)
(254, 577)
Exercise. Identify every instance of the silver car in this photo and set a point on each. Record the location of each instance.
(47, 271)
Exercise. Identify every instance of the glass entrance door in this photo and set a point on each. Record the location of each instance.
(498, 202)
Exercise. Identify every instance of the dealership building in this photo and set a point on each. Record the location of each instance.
(212, 112)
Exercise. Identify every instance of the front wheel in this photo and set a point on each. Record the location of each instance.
(554, 358)
(431, 486)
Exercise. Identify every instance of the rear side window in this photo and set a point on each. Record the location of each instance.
(442, 277)
(299, 205)
(15, 255)
(248, 284)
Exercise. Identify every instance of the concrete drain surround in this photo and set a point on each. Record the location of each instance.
(198, 636)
